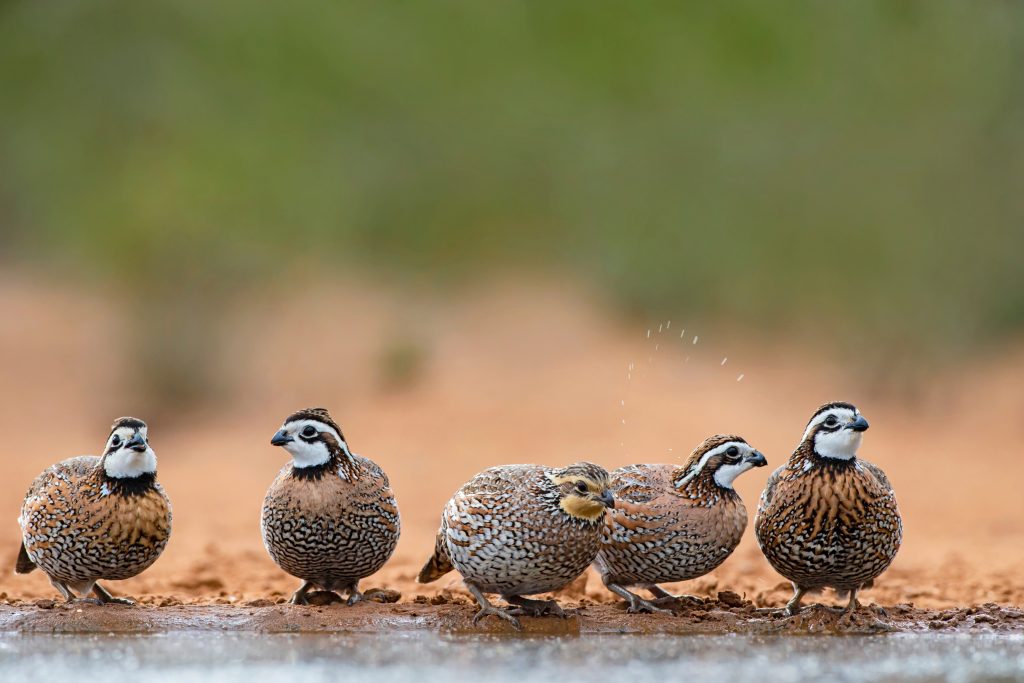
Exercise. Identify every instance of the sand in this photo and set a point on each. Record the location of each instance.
(510, 375)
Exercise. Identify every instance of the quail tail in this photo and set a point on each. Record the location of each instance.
(438, 565)
(24, 564)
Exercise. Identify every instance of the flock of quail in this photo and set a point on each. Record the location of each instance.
(826, 519)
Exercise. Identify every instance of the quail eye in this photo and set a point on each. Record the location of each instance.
(309, 431)
(831, 420)
(581, 487)
(732, 452)
(116, 441)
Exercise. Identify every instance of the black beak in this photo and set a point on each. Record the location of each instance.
(281, 438)
(858, 425)
(607, 499)
(757, 459)
(137, 443)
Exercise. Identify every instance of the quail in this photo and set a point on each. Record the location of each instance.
(96, 517)
(521, 530)
(674, 523)
(828, 518)
(330, 517)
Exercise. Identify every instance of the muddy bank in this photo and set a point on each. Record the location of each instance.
(713, 617)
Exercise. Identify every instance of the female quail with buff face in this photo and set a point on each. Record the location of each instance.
(828, 518)
(330, 517)
(90, 518)
(521, 530)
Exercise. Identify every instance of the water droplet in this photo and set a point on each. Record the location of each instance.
(695, 338)
(682, 333)
(740, 378)
(660, 328)
(668, 324)
(622, 403)
(725, 359)
(623, 420)
(648, 333)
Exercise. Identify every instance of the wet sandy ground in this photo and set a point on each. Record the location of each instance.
(728, 614)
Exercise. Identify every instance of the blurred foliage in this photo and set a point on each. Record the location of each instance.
(853, 169)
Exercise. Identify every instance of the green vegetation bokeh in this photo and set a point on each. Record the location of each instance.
(850, 168)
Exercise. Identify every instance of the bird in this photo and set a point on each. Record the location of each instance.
(828, 518)
(96, 517)
(330, 517)
(519, 530)
(674, 523)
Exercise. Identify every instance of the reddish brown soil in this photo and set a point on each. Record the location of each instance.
(510, 375)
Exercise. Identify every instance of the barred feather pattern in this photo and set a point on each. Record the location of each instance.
(828, 523)
(660, 532)
(79, 526)
(331, 527)
(506, 533)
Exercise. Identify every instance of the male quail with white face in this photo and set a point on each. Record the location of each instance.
(96, 517)
(828, 518)
(330, 517)
(674, 523)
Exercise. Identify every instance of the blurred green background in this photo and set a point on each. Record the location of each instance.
(850, 170)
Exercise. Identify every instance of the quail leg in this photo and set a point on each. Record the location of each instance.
(69, 595)
(534, 608)
(793, 606)
(486, 608)
(636, 603)
(106, 598)
(354, 595)
(299, 596)
(852, 605)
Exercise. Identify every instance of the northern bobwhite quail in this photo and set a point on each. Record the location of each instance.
(674, 523)
(96, 517)
(828, 518)
(330, 517)
(521, 530)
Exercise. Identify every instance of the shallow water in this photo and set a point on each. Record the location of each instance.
(428, 658)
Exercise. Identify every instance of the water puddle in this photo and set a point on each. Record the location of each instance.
(429, 658)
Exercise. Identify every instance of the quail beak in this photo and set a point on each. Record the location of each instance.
(137, 443)
(757, 459)
(607, 499)
(858, 425)
(281, 438)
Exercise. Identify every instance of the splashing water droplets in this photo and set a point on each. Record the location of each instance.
(723, 360)
(740, 378)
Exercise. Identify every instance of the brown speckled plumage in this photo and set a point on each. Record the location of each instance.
(520, 530)
(670, 524)
(826, 522)
(80, 525)
(330, 524)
